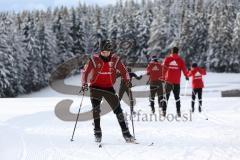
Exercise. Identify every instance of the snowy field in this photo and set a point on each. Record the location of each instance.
(29, 129)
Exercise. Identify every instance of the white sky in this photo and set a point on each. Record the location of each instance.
(18, 5)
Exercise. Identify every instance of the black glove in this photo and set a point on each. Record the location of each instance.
(140, 77)
(187, 78)
(84, 87)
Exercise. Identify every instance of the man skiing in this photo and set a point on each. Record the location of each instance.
(155, 72)
(173, 66)
(103, 68)
(196, 73)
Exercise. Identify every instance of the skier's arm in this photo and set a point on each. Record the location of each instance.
(165, 67)
(87, 69)
(189, 73)
(148, 70)
(184, 69)
(123, 71)
(203, 71)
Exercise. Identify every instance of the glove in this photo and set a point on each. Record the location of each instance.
(187, 78)
(84, 87)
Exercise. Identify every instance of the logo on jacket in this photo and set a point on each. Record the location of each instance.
(173, 65)
(110, 64)
(198, 75)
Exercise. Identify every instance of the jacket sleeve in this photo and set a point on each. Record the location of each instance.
(148, 69)
(87, 69)
(123, 71)
(189, 73)
(203, 71)
(164, 67)
(184, 69)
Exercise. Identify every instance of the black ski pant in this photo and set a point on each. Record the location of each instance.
(123, 89)
(197, 92)
(175, 88)
(97, 94)
(156, 87)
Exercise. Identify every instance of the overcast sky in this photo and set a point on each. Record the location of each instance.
(18, 5)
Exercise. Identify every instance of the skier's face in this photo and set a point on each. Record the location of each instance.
(106, 53)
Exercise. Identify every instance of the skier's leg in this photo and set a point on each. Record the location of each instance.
(96, 99)
(200, 99)
(160, 95)
(168, 89)
(114, 102)
(122, 90)
(193, 99)
(176, 92)
(153, 91)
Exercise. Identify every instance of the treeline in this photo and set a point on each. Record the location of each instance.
(33, 43)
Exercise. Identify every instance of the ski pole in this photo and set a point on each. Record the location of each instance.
(131, 109)
(83, 94)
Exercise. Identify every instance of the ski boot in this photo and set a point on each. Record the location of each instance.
(192, 110)
(128, 137)
(98, 136)
(199, 109)
(179, 114)
(152, 107)
(153, 110)
(164, 113)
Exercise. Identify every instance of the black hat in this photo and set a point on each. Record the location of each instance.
(105, 45)
(175, 50)
(194, 65)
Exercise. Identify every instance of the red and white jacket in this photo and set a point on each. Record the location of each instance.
(173, 66)
(155, 71)
(103, 74)
(197, 77)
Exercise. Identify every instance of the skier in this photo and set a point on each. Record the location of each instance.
(103, 67)
(196, 74)
(173, 66)
(124, 88)
(155, 72)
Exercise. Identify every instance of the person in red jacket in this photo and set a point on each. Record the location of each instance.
(173, 66)
(155, 72)
(103, 68)
(196, 73)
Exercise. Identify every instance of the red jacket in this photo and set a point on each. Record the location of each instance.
(196, 74)
(103, 74)
(173, 65)
(155, 71)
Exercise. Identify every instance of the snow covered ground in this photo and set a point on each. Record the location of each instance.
(29, 129)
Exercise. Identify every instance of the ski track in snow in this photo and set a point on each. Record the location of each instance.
(28, 133)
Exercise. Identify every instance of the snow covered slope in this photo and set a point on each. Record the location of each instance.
(29, 129)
